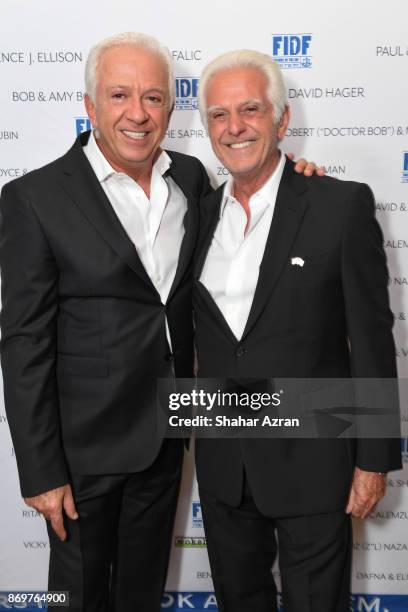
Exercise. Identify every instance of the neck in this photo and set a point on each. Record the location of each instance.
(142, 173)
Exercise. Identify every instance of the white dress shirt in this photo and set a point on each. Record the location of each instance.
(231, 269)
(154, 226)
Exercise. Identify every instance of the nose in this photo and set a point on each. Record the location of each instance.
(136, 111)
(236, 124)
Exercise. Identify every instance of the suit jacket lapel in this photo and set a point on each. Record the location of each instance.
(190, 222)
(210, 209)
(82, 186)
(209, 216)
(290, 207)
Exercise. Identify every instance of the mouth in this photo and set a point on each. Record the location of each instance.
(134, 135)
(241, 145)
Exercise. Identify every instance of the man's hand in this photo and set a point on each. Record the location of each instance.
(307, 168)
(366, 491)
(51, 503)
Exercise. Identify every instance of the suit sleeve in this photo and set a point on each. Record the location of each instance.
(369, 319)
(28, 324)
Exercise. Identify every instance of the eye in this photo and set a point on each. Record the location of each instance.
(217, 116)
(154, 100)
(118, 95)
(251, 110)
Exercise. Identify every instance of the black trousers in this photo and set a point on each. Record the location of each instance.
(314, 558)
(116, 555)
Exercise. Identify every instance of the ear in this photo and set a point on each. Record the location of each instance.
(90, 109)
(283, 123)
(171, 112)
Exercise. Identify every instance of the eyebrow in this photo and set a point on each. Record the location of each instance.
(252, 101)
(215, 107)
(119, 86)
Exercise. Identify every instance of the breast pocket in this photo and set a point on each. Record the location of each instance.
(309, 270)
(309, 283)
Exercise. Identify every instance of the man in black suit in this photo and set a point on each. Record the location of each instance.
(290, 281)
(96, 251)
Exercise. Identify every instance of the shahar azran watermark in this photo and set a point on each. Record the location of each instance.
(282, 408)
(222, 399)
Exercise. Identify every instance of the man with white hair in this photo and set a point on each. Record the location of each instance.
(96, 252)
(290, 274)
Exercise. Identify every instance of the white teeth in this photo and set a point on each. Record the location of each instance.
(134, 135)
(241, 145)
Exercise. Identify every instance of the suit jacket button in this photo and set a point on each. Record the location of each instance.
(240, 352)
(168, 357)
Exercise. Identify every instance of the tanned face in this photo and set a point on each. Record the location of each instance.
(241, 123)
(131, 107)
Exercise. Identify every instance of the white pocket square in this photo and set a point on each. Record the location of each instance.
(297, 261)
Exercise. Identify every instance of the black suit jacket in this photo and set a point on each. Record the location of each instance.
(83, 327)
(300, 325)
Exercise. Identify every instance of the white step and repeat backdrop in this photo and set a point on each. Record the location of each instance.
(346, 68)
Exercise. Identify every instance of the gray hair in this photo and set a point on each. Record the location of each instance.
(246, 58)
(133, 39)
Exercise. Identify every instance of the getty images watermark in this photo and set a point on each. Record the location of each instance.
(302, 408)
(208, 401)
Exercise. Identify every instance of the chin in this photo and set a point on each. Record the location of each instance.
(241, 170)
(139, 156)
(243, 165)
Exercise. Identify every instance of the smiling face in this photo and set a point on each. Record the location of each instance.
(131, 107)
(241, 123)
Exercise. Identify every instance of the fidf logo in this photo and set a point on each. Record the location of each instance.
(186, 93)
(405, 167)
(197, 517)
(82, 124)
(292, 50)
